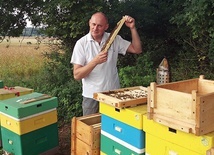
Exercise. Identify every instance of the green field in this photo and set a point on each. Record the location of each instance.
(20, 59)
(20, 65)
(26, 41)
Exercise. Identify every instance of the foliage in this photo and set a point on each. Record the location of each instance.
(63, 22)
(140, 74)
(182, 31)
(68, 20)
(196, 34)
(57, 80)
(13, 15)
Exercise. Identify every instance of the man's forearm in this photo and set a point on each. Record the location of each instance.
(81, 72)
(136, 40)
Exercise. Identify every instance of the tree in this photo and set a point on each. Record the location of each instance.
(13, 16)
(196, 35)
(182, 31)
(68, 21)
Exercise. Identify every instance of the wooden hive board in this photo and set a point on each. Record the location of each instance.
(85, 134)
(122, 98)
(184, 105)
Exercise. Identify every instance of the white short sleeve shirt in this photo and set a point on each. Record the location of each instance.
(104, 76)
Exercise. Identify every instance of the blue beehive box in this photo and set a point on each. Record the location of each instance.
(125, 133)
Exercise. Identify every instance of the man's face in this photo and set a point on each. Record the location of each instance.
(98, 25)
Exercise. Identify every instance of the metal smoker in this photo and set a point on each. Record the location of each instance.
(163, 72)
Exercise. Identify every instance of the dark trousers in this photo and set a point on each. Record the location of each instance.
(89, 106)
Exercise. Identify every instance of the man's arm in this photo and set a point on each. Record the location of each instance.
(80, 71)
(135, 46)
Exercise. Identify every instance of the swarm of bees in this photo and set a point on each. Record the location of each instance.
(127, 94)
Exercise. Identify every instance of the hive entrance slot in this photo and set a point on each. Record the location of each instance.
(172, 130)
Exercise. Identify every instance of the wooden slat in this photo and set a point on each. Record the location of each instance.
(82, 131)
(149, 107)
(184, 105)
(112, 36)
(195, 104)
(174, 104)
(210, 151)
(175, 124)
(205, 114)
(119, 103)
(205, 86)
(153, 96)
(85, 134)
(98, 125)
(73, 136)
(85, 149)
(42, 97)
(90, 119)
(185, 86)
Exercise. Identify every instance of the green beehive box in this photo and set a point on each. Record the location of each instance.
(1, 84)
(117, 146)
(32, 143)
(27, 105)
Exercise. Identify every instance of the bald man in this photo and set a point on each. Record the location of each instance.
(96, 69)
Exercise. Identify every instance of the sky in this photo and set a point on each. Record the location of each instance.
(28, 23)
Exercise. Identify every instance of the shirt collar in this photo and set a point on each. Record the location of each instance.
(105, 37)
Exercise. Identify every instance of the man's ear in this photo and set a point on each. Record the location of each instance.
(89, 22)
(107, 26)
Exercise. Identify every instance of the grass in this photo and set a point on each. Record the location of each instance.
(19, 61)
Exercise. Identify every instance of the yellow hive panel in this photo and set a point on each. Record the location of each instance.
(30, 123)
(132, 116)
(158, 146)
(6, 93)
(199, 144)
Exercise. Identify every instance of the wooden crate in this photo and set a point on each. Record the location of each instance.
(85, 138)
(124, 97)
(184, 105)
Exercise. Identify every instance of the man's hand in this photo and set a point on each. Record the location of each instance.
(101, 57)
(83, 71)
(130, 22)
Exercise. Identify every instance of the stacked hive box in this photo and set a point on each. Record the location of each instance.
(11, 92)
(85, 137)
(184, 105)
(181, 118)
(121, 130)
(163, 140)
(29, 124)
(122, 121)
(1, 84)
